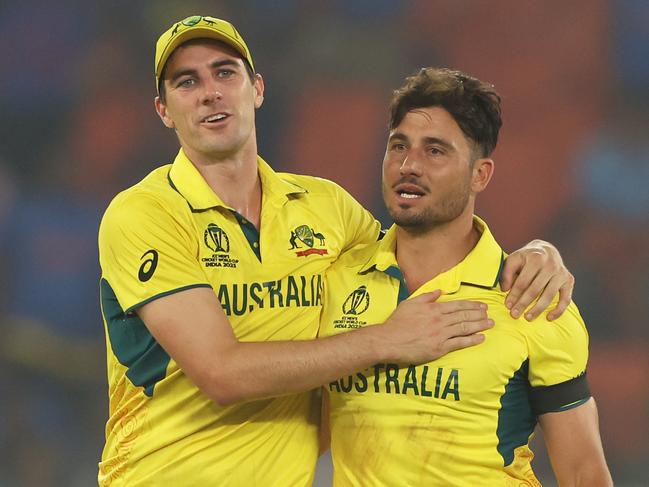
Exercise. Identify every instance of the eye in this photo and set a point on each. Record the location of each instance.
(398, 147)
(225, 73)
(186, 83)
(435, 151)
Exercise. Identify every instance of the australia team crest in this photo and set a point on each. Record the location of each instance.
(306, 238)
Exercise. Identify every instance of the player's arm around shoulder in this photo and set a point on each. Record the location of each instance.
(193, 329)
(567, 413)
(356, 224)
(360, 225)
(173, 298)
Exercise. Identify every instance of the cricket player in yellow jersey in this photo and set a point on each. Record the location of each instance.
(464, 419)
(211, 290)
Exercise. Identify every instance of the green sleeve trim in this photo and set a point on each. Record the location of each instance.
(132, 343)
(166, 293)
(573, 405)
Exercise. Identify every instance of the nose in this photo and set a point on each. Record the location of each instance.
(211, 93)
(410, 165)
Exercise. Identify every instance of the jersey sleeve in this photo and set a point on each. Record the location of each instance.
(359, 224)
(146, 251)
(558, 354)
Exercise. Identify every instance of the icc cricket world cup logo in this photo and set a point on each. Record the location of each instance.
(357, 302)
(216, 239)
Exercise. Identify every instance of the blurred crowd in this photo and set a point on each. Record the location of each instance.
(77, 125)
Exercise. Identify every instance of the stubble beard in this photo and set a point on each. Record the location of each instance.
(435, 215)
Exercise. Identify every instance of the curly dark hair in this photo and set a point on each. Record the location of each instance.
(473, 104)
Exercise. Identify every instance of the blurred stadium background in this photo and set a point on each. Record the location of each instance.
(77, 125)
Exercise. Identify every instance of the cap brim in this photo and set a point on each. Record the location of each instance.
(198, 33)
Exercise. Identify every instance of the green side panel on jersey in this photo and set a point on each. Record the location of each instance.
(132, 343)
(516, 421)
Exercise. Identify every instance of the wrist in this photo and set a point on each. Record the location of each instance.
(377, 344)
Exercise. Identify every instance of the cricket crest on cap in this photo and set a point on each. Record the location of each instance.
(197, 19)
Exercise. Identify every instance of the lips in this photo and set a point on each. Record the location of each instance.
(215, 118)
(409, 191)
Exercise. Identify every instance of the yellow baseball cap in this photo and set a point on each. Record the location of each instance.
(195, 27)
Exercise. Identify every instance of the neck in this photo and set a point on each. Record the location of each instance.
(235, 179)
(423, 255)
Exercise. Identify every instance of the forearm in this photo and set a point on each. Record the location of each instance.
(229, 370)
(588, 470)
(252, 370)
(591, 475)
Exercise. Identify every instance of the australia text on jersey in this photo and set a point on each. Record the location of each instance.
(290, 291)
(438, 383)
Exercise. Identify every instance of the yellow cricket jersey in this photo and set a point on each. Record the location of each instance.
(465, 419)
(170, 232)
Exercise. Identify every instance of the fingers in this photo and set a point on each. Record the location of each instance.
(537, 288)
(465, 316)
(513, 265)
(565, 296)
(551, 289)
(529, 283)
(466, 334)
(457, 343)
(466, 328)
(429, 296)
(545, 285)
(460, 305)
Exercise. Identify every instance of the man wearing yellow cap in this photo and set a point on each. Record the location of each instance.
(211, 290)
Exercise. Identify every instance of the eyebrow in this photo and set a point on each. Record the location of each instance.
(427, 140)
(192, 72)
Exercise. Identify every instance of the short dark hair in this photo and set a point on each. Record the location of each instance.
(473, 104)
(163, 74)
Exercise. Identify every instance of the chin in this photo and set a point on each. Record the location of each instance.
(221, 149)
(406, 218)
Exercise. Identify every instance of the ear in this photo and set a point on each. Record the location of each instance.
(161, 110)
(258, 85)
(483, 170)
